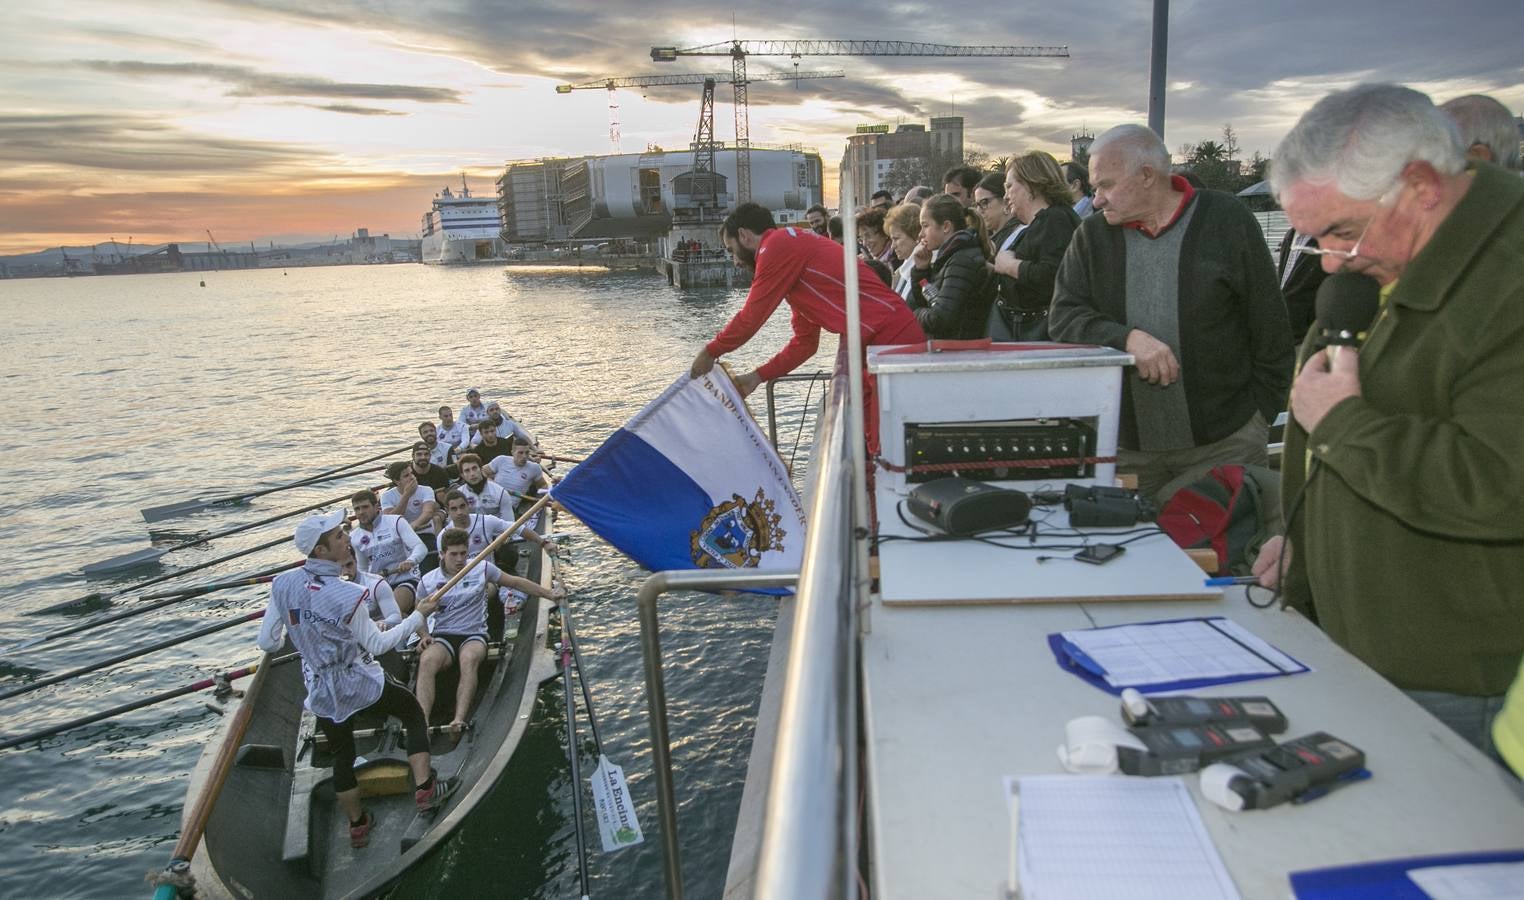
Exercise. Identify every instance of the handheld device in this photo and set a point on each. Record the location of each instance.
(1298, 771)
(1258, 711)
(1100, 554)
(1178, 749)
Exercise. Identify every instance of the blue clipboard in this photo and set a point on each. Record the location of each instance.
(1074, 661)
(1384, 880)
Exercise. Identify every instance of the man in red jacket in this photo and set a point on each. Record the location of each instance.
(807, 270)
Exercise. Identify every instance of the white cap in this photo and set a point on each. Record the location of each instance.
(313, 528)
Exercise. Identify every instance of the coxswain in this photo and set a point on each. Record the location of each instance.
(474, 412)
(453, 431)
(317, 610)
(380, 600)
(415, 503)
(385, 545)
(460, 627)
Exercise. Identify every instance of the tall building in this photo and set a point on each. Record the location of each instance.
(874, 149)
(1079, 144)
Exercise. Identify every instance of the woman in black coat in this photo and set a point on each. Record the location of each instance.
(1036, 194)
(952, 283)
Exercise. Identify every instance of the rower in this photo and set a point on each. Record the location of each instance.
(415, 503)
(385, 545)
(432, 475)
(483, 495)
(519, 476)
(380, 600)
(317, 610)
(506, 426)
(489, 446)
(441, 453)
(452, 431)
(482, 530)
(460, 627)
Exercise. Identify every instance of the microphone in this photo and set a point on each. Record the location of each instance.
(1346, 306)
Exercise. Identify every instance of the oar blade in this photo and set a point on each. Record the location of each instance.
(172, 510)
(136, 559)
(616, 812)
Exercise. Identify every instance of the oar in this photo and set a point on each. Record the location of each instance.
(131, 654)
(617, 823)
(184, 507)
(152, 555)
(98, 596)
(565, 459)
(178, 870)
(576, 769)
(203, 684)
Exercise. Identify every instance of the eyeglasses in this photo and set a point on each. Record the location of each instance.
(985, 202)
(1354, 251)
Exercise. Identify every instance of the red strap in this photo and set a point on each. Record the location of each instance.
(984, 344)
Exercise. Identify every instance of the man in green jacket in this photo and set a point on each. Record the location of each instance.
(1409, 454)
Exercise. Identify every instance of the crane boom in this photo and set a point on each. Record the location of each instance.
(850, 48)
(738, 50)
(635, 81)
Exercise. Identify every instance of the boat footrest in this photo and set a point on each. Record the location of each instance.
(297, 845)
(261, 756)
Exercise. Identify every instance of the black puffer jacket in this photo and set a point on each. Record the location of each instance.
(954, 303)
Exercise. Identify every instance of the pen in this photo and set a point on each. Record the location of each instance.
(1232, 579)
(1347, 778)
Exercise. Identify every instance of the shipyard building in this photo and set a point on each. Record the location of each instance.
(645, 196)
(874, 150)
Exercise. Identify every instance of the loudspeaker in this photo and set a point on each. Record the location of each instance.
(964, 506)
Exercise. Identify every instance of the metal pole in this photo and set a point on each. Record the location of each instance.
(655, 585)
(1157, 64)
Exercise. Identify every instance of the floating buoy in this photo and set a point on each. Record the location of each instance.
(203, 284)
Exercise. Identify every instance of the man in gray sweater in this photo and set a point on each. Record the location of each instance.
(1182, 280)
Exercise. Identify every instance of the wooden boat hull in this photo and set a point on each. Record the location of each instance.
(255, 845)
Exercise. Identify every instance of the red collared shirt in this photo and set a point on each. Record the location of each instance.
(1177, 183)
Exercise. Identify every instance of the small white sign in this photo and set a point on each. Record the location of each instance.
(616, 814)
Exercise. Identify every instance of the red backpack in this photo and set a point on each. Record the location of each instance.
(1233, 510)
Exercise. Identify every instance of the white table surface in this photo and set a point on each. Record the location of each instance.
(956, 697)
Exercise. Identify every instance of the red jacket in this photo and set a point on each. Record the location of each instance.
(806, 269)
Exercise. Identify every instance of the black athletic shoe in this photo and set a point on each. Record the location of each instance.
(430, 799)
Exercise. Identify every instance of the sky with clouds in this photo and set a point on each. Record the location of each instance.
(297, 119)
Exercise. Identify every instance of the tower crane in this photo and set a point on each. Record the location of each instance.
(738, 51)
(642, 81)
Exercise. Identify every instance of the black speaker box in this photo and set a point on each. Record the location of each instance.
(965, 506)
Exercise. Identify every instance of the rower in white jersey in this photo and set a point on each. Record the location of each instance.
(385, 545)
(320, 612)
(460, 627)
(521, 477)
(440, 453)
(482, 530)
(415, 503)
(474, 412)
(503, 426)
(380, 601)
(452, 432)
(485, 497)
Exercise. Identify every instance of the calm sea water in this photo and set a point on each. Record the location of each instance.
(126, 392)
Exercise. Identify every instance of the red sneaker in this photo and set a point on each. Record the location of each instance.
(359, 835)
(431, 798)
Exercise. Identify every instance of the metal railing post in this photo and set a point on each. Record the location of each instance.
(655, 585)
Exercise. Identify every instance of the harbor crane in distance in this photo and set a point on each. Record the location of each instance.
(739, 50)
(643, 81)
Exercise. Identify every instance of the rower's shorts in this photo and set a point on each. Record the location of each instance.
(457, 642)
(409, 581)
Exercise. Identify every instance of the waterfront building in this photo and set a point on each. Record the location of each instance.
(873, 151)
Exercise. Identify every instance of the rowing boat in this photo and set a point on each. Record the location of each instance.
(277, 830)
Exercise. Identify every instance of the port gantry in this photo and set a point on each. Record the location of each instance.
(612, 84)
(739, 50)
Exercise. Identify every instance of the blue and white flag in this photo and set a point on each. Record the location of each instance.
(690, 482)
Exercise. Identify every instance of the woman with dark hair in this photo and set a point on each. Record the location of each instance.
(952, 287)
(874, 240)
(1003, 228)
(1081, 194)
(1037, 195)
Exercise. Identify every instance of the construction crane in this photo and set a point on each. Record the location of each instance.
(213, 241)
(739, 50)
(645, 81)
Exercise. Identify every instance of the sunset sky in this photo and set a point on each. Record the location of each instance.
(301, 119)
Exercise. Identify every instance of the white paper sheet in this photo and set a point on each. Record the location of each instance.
(1164, 652)
(1475, 881)
(1114, 838)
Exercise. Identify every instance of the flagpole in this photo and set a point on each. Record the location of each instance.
(862, 527)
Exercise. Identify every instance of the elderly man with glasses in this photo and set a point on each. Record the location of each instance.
(1404, 457)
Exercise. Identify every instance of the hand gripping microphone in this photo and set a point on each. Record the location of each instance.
(1346, 306)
